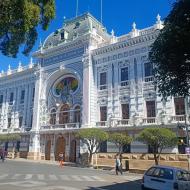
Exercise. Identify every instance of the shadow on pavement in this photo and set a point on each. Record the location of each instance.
(129, 185)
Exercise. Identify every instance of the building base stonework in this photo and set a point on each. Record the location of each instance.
(140, 162)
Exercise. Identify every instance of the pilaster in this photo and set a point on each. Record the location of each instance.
(34, 148)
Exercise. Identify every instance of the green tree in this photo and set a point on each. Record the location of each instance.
(158, 139)
(120, 140)
(18, 23)
(92, 137)
(171, 52)
(9, 137)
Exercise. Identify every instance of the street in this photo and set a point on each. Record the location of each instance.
(20, 175)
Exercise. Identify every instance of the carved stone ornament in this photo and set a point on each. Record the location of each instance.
(150, 95)
(124, 99)
(103, 101)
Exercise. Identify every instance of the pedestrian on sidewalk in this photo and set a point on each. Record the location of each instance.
(118, 167)
(61, 159)
(3, 154)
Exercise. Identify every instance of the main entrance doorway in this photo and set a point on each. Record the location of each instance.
(60, 147)
(73, 151)
(48, 150)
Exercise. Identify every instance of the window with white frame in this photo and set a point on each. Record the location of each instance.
(103, 113)
(20, 121)
(11, 98)
(1, 100)
(124, 76)
(103, 81)
(179, 106)
(125, 111)
(148, 71)
(22, 96)
(33, 93)
(9, 122)
(151, 108)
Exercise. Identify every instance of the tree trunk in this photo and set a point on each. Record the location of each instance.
(90, 159)
(155, 159)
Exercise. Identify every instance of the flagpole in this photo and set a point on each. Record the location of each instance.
(77, 6)
(101, 10)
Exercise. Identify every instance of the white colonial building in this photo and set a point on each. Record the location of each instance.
(84, 77)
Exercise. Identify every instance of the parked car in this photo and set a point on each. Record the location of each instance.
(166, 178)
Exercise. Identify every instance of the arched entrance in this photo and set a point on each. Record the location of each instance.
(64, 114)
(73, 151)
(60, 147)
(48, 150)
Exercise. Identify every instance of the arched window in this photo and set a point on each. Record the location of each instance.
(77, 114)
(64, 114)
(53, 117)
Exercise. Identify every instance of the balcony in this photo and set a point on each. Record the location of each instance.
(123, 122)
(101, 124)
(178, 118)
(60, 126)
(149, 121)
(149, 79)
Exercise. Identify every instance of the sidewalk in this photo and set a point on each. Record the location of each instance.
(50, 162)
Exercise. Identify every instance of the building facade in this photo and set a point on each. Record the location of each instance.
(85, 77)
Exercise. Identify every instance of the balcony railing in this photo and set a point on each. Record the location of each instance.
(149, 79)
(178, 118)
(149, 120)
(103, 87)
(123, 122)
(14, 130)
(61, 126)
(101, 124)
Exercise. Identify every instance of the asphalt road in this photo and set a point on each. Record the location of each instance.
(22, 175)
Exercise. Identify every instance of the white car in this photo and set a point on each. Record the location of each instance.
(166, 178)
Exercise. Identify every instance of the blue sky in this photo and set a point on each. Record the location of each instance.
(117, 15)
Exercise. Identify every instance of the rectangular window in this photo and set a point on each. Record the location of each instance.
(11, 98)
(103, 113)
(33, 94)
(1, 100)
(148, 69)
(31, 120)
(9, 122)
(22, 96)
(103, 81)
(124, 76)
(179, 106)
(151, 109)
(20, 121)
(125, 111)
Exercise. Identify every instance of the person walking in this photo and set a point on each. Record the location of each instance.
(118, 167)
(3, 154)
(61, 159)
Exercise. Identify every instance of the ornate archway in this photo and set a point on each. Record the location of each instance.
(48, 150)
(73, 151)
(60, 147)
(64, 114)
